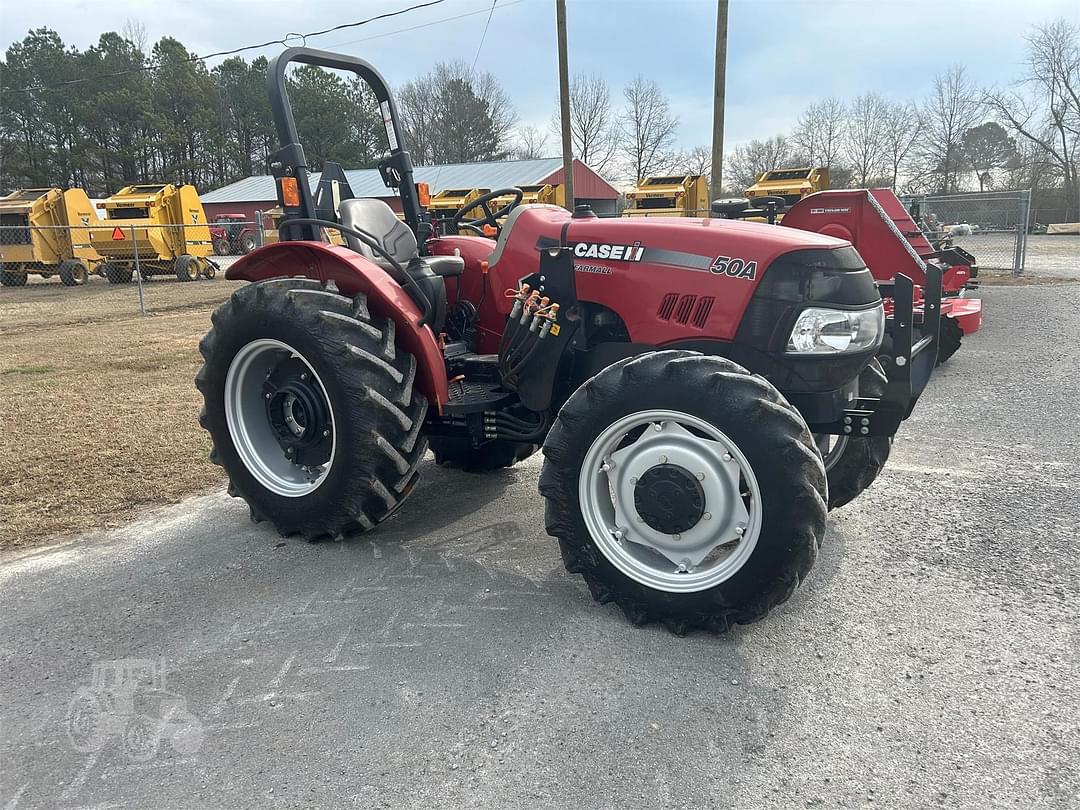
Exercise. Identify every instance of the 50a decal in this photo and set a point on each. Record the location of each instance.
(735, 267)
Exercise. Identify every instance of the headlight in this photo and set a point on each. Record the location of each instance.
(837, 331)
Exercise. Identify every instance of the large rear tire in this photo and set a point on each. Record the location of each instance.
(852, 463)
(496, 455)
(72, 273)
(356, 438)
(672, 453)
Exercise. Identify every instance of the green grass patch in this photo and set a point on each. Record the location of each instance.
(28, 371)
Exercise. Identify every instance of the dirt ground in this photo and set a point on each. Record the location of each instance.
(100, 409)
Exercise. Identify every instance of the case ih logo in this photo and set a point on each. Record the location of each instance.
(830, 210)
(615, 253)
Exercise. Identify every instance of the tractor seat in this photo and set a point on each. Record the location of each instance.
(376, 219)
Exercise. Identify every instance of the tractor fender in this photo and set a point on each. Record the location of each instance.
(353, 274)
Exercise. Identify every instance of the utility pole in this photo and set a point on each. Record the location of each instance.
(718, 98)
(564, 106)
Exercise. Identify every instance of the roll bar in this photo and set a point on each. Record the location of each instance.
(289, 160)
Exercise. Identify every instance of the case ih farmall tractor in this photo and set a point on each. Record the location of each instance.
(682, 376)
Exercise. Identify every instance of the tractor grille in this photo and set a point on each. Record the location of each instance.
(701, 314)
(686, 309)
(667, 306)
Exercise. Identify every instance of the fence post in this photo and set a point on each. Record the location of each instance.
(138, 271)
(260, 238)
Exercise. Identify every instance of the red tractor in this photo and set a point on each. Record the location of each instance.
(233, 234)
(684, 376)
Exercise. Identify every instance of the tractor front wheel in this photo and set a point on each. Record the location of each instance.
(72, 273)
(312, 408)
(247, 243)
(684, 489)
(852, 463)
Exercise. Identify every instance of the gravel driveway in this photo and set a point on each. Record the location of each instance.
(193, 659)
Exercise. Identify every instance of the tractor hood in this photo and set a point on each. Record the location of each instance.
(686, 277)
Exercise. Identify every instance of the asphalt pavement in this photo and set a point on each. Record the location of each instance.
(448, 660)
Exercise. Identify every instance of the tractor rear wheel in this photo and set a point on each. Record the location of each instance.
(186, 267)
(221, 247)
(10, 278)
(852, 463)
(247, 243)
(684, 489)
(72, 273)
(949, 339)
(496, 455)
(312, 408)
(115, 273)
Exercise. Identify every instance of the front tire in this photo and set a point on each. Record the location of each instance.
(356, 439)
(853, 463)
(695, 456)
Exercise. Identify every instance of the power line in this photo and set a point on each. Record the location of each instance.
(423, 25)
(483, 36)
(283, 41)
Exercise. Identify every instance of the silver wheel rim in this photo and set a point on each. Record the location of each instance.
(831, 448)
(249, 426)
(701, 557)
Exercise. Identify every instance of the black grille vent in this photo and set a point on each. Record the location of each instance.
(667, 306)
(685, 307)
(701, 314)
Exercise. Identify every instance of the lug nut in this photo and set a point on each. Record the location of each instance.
(700, 476)
(663, 459)
(676, 537)
(658, 427)
(268, 396)
(740, 530)
(864, 430)
(326, 433)
(633, 481)
(707, 516)
(727, 456)
(847, 428)
(303, 376)
(847, 420)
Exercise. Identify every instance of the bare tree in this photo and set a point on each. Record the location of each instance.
(949, 112)
(1044, 107)
(648, 129)
(134, 31)
(743, 166)
(903, 126)
(697, 161)
(594, 131)
(454, 114)
(819, 132)
(531, 143)
(865, 140)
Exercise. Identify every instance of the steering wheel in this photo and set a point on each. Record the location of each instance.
(490, 217)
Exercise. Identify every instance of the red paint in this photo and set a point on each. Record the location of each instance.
(635, 290)
(353, 274)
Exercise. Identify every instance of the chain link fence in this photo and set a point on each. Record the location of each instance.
(992, 226)
(124, 265)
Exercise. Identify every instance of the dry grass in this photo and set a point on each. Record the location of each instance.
(99, 406)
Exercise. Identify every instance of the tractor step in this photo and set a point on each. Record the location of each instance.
(474, 396)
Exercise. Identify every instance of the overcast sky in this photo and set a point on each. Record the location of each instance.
(782, 54)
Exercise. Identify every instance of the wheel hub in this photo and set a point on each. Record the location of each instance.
(669, 499)
(298, 413)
